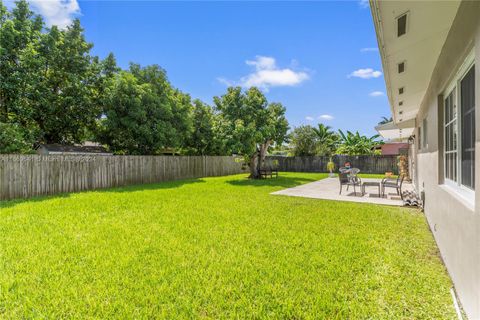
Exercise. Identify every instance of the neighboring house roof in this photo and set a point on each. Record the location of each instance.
(72, 149)
(427, 26)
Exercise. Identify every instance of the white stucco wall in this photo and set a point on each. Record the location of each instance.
(455, 223)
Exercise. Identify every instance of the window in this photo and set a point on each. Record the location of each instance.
(401, 25)
(450, 116)
(459, 131)
(401, 67)
(420, 138)
(467, 93)
(401, 90)
(424, 135)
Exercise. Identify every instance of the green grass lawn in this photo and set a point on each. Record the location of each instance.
(217, 248)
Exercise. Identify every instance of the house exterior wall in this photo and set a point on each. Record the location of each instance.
(455, 222)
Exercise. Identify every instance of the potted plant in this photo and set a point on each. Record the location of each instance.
(331, 168)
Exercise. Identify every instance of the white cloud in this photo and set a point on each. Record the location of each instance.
(367, 73)
(376, 94)
(364, 3)
(267, 74)
(326, 117)
(226, 82)
(55, 12)
(308, 118)
(369, 49)
(262, 63)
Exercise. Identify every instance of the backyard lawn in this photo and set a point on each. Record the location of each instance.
(217, 248)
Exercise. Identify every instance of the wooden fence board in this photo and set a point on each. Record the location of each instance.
(367, 164)
(24, 176)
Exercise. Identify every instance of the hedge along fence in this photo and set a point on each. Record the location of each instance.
(367, 164)
(24, 176)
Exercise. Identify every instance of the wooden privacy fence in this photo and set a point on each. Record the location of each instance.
(367, 164)
(24, 176)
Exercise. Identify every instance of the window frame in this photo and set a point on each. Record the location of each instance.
(407, 20)
(455, 87)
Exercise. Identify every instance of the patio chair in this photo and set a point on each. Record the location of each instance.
(354, 171)
(351, 171)
(343, 169)
(393, 183)
(347, 180)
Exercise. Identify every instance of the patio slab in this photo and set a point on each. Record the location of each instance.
(329, 188)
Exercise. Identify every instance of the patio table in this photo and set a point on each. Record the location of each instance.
(371, 184)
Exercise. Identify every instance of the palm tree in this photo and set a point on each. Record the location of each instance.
(386, 120)
(356, 144)
(327, 139)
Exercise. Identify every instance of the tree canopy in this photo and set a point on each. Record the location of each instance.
(251, 124)
(53, 90)
(50, 85)
(143, 114)
(327, 140)
(323, 141)
(304, 141)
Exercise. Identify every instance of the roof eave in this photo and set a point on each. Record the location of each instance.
(381, 48)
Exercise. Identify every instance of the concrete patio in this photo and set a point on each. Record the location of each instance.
(329, 188)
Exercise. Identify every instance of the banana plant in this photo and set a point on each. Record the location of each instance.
(356, 144)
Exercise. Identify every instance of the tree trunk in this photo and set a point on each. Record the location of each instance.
(263, 153)
(254, 166)
(257, 160)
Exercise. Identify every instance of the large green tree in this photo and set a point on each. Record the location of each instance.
(252, 124)
(129, 124)
(143, 114)
(207, 137)
(20, 33)
(173, 107)
(303, 140)
(51, 88)
(69, 86)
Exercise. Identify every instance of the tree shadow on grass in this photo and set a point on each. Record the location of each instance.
(14, 202)
(285, 182)
(152, 186)
(131, 188)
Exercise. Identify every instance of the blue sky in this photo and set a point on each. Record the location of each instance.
(317, 58)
